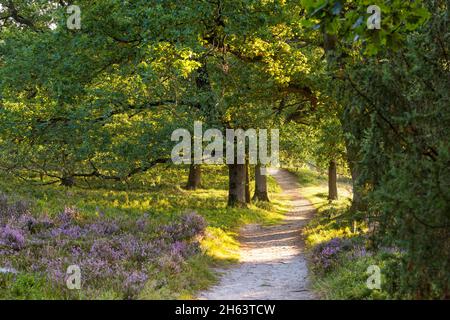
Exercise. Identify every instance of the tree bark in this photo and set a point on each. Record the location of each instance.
(248, 198)
(358, 203)
(195, 177)
(261, 191)
(236, 192)
(332, 181)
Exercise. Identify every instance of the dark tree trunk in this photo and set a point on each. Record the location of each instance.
(358, 203)
(261, 192)
(332, 181)
(195, 177)
(248, 198)
(68, 181)
(236, 192)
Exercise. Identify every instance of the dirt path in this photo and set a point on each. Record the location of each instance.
(273, 265)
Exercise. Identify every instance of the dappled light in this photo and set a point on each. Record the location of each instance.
(224, 149)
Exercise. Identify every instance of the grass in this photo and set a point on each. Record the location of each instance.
(348, 280)
(160, 194)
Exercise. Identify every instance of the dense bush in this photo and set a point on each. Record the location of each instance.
(397, 117)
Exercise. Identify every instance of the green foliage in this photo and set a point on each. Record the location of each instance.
(96, 107)
(345, 21)
(348, 280)
(397, 113)
(102, 101)
(25, 287)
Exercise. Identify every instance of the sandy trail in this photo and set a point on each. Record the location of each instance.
(272, 265)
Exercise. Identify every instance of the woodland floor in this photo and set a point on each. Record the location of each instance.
(272, 264)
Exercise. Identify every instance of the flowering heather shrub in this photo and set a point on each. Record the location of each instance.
(110, 253)
(142, 224)
(134, 283)
(325, 255)
(16, 209)
(67, 230)
(185, 249)
(3, 203)
(105, 228)
(12, 237)
(189, 226)
(35, 225)
(359, 251)
(21, 207)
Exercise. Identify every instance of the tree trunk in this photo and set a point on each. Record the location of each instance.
(236, 192)
(68, 181)
(261, 192)
(332, 181)
(248, 198)
(358, 203)
(195, 177)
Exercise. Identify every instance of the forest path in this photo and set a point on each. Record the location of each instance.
(272, 264)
